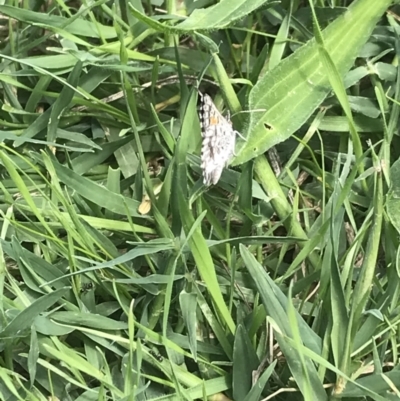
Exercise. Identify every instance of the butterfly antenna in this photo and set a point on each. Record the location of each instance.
(239, 134)
(201, 77)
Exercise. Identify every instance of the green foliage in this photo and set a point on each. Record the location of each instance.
(292, 91)
(123, 278)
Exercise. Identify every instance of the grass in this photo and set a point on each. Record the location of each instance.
(123, 278)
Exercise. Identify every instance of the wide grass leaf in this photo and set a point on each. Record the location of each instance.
(33, 356)
(188, 303)
(217, 16)
(63, 102)
(220, 15)
(296, 87)
(26, 317)
(245, 361)
(89, 320)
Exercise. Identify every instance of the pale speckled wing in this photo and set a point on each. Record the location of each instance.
(218, 141)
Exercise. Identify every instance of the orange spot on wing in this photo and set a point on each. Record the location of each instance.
(214, 121)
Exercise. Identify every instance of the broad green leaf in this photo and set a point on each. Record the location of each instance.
(63, 102)
(152, 279)
(296, 87)
(44, 325)
(341, 124)
(77, 137)
(33, 356)
(88, 320)
(375, 383)
(26, 317)
(218, 330)
(188, 303)
(245, 361)
(33, 129)
(220, 15)
(217, 16)
(364, 105)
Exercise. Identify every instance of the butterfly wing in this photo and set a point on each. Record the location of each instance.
(218, 141)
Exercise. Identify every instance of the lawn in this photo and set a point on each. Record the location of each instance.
(200, 200)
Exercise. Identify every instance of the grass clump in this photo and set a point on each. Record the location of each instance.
(123, 278)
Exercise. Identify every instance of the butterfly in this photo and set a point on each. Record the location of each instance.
(219, 138)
